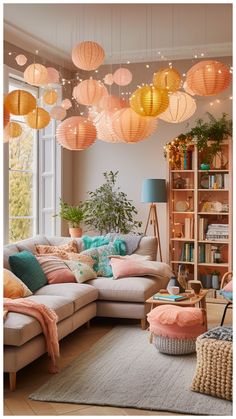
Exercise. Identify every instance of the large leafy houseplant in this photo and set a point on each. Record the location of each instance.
(73, 214)
(109, 210)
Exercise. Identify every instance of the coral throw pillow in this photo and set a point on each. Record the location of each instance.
(69, 247)
(55, 269)
(61, 276)
(81, 271)
(135, 267)
(26, 267)
(13, 286)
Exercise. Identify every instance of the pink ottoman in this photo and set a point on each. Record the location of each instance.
(174, 329)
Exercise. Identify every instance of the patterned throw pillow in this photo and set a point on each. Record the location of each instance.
(13, 286)
(55, 269)
(91, 242)
(81, 271)
(26, 267)
(45, 249)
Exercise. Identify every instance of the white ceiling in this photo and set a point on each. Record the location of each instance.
(134, 32)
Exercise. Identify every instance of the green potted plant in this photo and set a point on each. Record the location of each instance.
(73, 214)
(109, 210)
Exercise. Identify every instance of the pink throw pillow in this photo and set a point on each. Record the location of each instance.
(135, 267)
(229, 287)
(60, 276)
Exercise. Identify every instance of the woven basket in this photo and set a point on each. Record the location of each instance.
(214, 373)
(173, 346)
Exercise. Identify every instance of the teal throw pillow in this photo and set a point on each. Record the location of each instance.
(26, 267)
(91, 242)
(228, 295)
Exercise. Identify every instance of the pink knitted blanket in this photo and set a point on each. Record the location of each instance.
(46, 317)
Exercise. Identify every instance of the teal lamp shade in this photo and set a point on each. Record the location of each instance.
(154, 190)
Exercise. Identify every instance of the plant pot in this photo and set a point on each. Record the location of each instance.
(205, 166)
(75, 232)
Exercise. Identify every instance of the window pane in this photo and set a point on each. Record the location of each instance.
(20, 194)
(20, 229)
(21, 152)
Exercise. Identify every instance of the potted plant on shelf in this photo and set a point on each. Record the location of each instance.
(109, 210)
(73, 214)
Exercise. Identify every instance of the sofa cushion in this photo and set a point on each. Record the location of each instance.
(58, 241)
(147, 246)
(45, 249)
(29, 244)
(135, 289)
(27, 268)
(9, 250)
(80, 294)
(13, 287)
(20, 328)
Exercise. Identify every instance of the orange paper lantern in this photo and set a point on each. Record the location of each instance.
(89, 92)
(208, 78)
(122, 77)
(149, 101)
(38, 118)
(50, 97)
(36, 74)
(108, 79)
(58, 113)
(104, 128)
(52, 75)
(13, 130)
(21, 59)
(112, 103)
(130, 127)
(20, 102)
(167, 78)
(66, 104)
(76, 133)
(88, 55)
(182, 106)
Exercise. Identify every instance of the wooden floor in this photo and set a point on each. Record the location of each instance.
(34, 375)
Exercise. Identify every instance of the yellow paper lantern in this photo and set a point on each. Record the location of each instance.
(89, 92)
(182, 106)
(36, 74)
(13, 130)
(76, 133)
(50, 97)
(38, 118)
(149, 101)
(20, 102)
(167, 78)
(130, 127)
(88, 55)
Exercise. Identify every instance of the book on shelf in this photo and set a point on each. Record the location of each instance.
(206, 253)
(203, 222)
(226, 181)
(216, 181)
(169, 297)
(187, 254)
(217, 232)
(188, 228)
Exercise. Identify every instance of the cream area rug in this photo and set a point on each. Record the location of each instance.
(123, 369)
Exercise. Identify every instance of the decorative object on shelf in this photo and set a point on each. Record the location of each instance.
(173, 282)
(182, 206)
(88, 55)
(108, 79)
(122, 76)
(204, 181)
(179, 183)
(36, 74)
(181, 107)
(58, 113)
(50, 97)
(117, 216)
(167, 78)
(149, 101)
(53, 75)
(177, 230)
(208, 78)
(179, 152)
(215, 278)
(12, 130)
(89, 92)
(76, 133)
(217, 255)
(131, 127)
(212, 206)
(38, 118)
(154, 191)
(19, 102)
(182, 277)
(205, 166)
(73, 214)
(196, 286)
(21, 59)
(66, 104)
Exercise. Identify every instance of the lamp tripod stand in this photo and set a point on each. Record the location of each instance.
(153, 220)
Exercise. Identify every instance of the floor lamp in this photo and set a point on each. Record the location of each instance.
(154, 191)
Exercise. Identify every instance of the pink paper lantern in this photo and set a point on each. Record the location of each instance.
(21, 59)
(122, 76)
(89, 92)
(112, 103)
(66, 104)
(58, 113)
(131, 127)
(104, 128)
(108, 79)
(53, 75)
(36, 74)
(76, 133)
(187, 89)
(88, 55)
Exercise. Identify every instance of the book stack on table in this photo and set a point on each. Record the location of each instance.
(169, 297)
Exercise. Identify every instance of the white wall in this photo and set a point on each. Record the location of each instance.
(142, 160)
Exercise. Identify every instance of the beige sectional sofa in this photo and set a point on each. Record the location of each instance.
(75, 304)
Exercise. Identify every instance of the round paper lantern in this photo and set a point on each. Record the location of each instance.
(104, 128)
(21, 59)
(167, 78)
(149, 101)
(6, 116)
(50, 97)
(112, 103)
(38, 118)
(187, 89)
(131, 127)
(36, 74)
(53, 76)
(76, 133)
(58, 113)
(20, 102)
(181, 107)
(89, 92)
(208, 78)
(88, 55)
(108, 79)
(122, 76)
(13, 130)
(66, 104)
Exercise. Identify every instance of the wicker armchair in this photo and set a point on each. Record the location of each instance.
(225, 279)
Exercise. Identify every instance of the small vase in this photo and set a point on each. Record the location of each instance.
(75, 232)
(215, 281)
(173, 282)
(205, 166)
